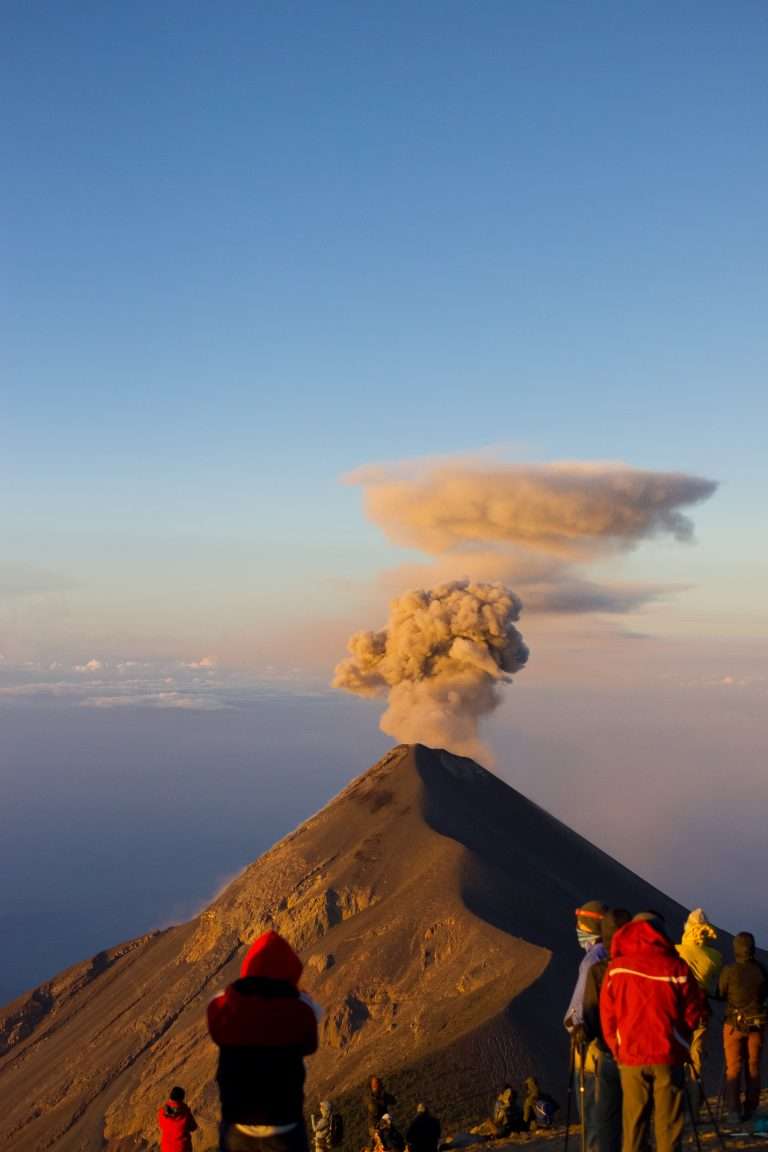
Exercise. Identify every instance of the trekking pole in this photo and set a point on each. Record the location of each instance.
(569, 1095)
(582, 1097)
(708, 1106)
(691, 1110)
(721, 1095)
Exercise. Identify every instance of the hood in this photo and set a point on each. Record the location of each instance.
(640, 936)
(743, 946)
(272, 958)
(612, 921)
(698, 928)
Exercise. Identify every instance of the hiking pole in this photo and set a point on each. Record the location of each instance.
(582, 1097)
(569, 1096)
(708, 1106)
(691, 1112)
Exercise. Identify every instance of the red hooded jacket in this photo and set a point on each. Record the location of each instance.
(264, 1029)
(650, 1000)
(176, 1127)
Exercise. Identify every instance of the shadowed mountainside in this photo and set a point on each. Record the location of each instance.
(433, 907)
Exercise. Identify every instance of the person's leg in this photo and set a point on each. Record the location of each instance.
(732, 1046)
(669, 1106)
(754, 1054)
(608, 1106)
(589, 1118)
(636, 1086)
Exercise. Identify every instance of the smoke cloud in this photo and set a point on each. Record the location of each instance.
(440, 662)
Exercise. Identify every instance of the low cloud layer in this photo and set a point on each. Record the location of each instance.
(440, 661)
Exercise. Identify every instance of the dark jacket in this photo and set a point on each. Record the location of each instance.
(592, 1027)
(423, 1133)
(176, 1124)
(650, 1001)
(744, 986)
(264, 1029)
(377, 1104)
(389, 1138)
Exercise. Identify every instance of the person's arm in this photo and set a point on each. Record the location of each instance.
(191, 1122)
(591, 1005)
(722, 984)
(695, 1011)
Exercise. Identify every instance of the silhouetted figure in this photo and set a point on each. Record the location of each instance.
(176, 1123)
(744, 987)
(264, 1028)
(423, 1132)
(378, 1103)
(387, 1138)
(322, 1128)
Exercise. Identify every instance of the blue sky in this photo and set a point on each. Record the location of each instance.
(247, 248)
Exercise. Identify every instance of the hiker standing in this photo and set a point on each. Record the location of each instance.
(264, 1027)
(423, 1132)
(322, 1127)
(378, 1103)
(387, 1138)
(608, 1105)
(176, 1123)
(744, 987)
(650, 1004)
(706, 964)
(589, 919)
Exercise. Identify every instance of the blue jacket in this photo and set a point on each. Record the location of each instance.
(575, 1013)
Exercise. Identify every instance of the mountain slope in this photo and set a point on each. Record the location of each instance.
(433, 906)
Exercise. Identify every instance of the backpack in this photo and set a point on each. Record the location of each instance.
(337, 1129)
(544, 1111)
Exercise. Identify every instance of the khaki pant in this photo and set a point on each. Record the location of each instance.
(652, 1090)
(742, 1056)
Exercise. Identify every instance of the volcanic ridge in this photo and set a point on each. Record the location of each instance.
(433, 907)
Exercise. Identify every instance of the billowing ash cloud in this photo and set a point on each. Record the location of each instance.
(565, 509)
(440, 662)
(531, 526)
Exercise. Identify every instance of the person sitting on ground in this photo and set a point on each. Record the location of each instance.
(322, 1127)
(706, 964)
(387, 1138)
(379, 1101)
(539, 1107)
(608, 1101)
(423, 1132)
(744, 987)
(506, 1117)
(650, 1004)
(264, 1027)
(176, 1123)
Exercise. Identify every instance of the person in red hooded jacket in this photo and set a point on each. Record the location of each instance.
(650, 1004)
(176, 1123)
(264, 1027)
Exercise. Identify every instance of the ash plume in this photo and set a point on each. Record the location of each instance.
(440, 662)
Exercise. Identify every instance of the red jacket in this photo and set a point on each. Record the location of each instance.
(264, 1028)
(176, 1127)
(650, 1001)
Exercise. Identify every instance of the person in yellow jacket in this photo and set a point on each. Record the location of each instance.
(706, 963)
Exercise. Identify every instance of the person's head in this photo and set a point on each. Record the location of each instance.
(177, 1095)
(744, 946)
(386, 1120)
(698, 929)
(614, 919)
(589, 918)
(507, 1093)
(531, 1086)
(271, 957)
(325, 1107)
(655, 919)
(375, 1084)
(421, 1108)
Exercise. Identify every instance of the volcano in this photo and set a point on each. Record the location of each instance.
(433, 907)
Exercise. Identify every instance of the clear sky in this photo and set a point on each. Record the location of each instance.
(247, 248)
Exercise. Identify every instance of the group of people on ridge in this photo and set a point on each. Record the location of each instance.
(639, 1018)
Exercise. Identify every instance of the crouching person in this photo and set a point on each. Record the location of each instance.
(650, 1005)
(264, 1028)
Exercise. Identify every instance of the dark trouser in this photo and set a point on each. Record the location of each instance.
(652, 1090)
(742, 1055)
(588, 1108)
(232, 1140)
(608, 1110)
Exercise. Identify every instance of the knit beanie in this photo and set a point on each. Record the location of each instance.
(589, 916)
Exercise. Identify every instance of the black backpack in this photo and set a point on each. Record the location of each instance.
(337, 1129)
